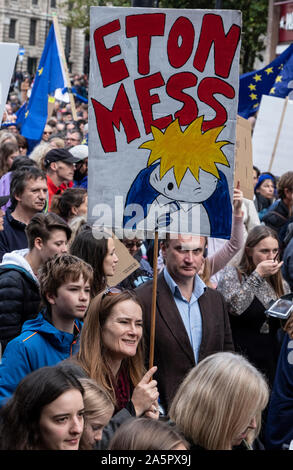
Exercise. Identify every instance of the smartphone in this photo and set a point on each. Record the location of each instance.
(282, 309)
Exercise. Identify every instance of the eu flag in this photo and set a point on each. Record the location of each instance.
(49, 77)
(271, 80)
(20, 114)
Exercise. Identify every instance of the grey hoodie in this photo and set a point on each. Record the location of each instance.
(17, 258)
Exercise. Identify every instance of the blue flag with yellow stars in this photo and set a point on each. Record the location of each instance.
(49, 77)
(271, 80)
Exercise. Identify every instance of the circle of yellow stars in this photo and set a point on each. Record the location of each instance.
(258, 78)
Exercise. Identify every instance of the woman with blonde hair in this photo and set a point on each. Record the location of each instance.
(147, 434)
(57, 142)
(98, 412)
(39, 152)
(7, 136)
(218, 406)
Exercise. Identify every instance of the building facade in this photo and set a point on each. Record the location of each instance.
(27, 23)
(280, 27)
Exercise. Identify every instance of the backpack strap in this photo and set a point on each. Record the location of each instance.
(279, 215)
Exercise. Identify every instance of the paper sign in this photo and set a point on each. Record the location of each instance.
(282, 161)
(163, 97)
(125, 266)
(268, 124)
(243, 158)
(8, 54)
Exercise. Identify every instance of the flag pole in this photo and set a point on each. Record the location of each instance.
(154, 301)
(63, 58)
(278, 133)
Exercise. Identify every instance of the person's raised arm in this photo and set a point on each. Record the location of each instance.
(145, 394)
(221, 258)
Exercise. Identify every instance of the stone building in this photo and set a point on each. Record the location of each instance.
(280, 27)
(27, 23)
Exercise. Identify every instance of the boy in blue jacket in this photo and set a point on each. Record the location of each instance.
(65, 285)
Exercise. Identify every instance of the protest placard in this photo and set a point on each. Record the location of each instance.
(8, 54)
(243, 157)
(162, 119)
(273, 135)
(126, 265)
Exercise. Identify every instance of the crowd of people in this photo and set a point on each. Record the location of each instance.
(75, 371)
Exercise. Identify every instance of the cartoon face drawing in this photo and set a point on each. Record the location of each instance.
(189, 190)
(182, 181)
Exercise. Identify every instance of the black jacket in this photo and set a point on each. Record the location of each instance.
(13, 236)
(19, 299)
(277, 217)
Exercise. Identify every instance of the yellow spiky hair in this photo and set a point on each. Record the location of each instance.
(190, 149)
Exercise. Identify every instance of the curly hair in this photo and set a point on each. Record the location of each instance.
(59, 270)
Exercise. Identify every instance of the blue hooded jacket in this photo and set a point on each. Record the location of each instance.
(39, 344)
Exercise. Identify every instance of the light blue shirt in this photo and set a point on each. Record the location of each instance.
(189, 311)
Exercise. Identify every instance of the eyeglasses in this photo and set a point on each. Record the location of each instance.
(111, 291)
(47, 132)
(133, 244)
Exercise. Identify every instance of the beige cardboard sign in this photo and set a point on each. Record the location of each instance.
(243, 158)
(125, 266)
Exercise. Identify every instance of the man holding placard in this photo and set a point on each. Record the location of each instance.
(191, 319)
(163, 106)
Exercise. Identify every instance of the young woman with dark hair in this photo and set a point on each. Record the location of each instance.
(97, 249)
(248, 290)
(44, 413)
(8, 151)
(70, 204)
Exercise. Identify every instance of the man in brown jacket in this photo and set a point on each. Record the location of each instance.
(191, 319)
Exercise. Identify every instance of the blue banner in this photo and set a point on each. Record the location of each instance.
(49, 77)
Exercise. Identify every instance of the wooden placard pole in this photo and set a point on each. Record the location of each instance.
(61, 50)
(154, 301)
(278, 133)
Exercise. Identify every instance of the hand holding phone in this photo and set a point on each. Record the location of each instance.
(282, 309)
